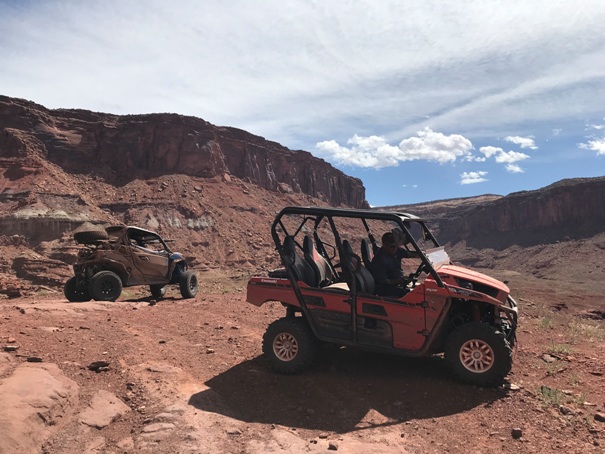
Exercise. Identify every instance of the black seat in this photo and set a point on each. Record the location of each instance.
(301, 269)
(364, 281)
(367, 252)
(321, 267)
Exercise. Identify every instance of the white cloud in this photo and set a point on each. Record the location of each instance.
(523, 142)
(514, 168)
(374, 151)
(510, 156)
(370, 151)
(473, 177)
(597, 145)
(505, 157)
(490, 151)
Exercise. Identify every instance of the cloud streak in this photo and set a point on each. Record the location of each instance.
(383, 64)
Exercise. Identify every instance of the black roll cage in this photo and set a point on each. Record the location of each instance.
(316, 215)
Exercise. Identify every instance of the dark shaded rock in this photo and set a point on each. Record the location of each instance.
(99, 366)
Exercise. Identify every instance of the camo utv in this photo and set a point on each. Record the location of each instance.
(124, 256)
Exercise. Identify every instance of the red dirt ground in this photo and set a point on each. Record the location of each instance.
(195, 366)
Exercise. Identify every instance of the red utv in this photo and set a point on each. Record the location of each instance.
(329, 296)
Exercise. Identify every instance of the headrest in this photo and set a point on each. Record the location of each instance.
(289, 250)
(308, 243)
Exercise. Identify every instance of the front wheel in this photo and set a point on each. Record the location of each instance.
(75, 294)
(479, 354)
(188, 284)
(105, 286)
(290, 345)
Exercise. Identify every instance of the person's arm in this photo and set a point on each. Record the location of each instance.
(403, 253)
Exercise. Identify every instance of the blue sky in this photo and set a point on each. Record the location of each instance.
(422, 100)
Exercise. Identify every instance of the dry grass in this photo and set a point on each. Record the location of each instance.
(586, 330)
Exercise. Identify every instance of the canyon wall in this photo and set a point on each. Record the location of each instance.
(120, 148)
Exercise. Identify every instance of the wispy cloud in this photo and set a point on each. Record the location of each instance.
(473, 177)
(596, 141)
(514, 168)
(597, 145)
(238, 70)
(523, 142)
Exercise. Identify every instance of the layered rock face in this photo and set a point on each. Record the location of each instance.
(122, 148)
(569, 209)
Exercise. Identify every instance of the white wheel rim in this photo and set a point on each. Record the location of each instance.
(285, 346)
(477, 356)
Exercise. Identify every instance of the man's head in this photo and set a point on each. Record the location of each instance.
(389, 244)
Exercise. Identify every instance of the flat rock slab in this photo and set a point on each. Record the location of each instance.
(104, 408)
(35, 401)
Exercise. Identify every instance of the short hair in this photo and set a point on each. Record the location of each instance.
(388, 238)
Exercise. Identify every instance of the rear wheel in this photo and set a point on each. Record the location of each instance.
(479, 354)
(157, 291)
(105, 286)
(290, 345)
(188, 284)
(75, 294)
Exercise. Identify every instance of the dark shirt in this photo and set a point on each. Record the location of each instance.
(387, 267)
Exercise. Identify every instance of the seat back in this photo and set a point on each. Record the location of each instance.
(367, 252)
(301, 269)
(364, 281)
(320, 266)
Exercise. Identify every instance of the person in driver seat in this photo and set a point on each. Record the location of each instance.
(386, 267)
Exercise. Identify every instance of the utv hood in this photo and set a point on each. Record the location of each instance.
(473, 276)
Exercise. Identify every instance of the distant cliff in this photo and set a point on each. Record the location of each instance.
(120, 148)
(568, 209)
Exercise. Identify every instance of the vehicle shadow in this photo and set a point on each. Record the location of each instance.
(149, 299)
(348, 390)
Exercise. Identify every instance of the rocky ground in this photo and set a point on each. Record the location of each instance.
(187, 376)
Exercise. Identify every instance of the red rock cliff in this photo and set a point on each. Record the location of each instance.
(121, 148)
(568, 209)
